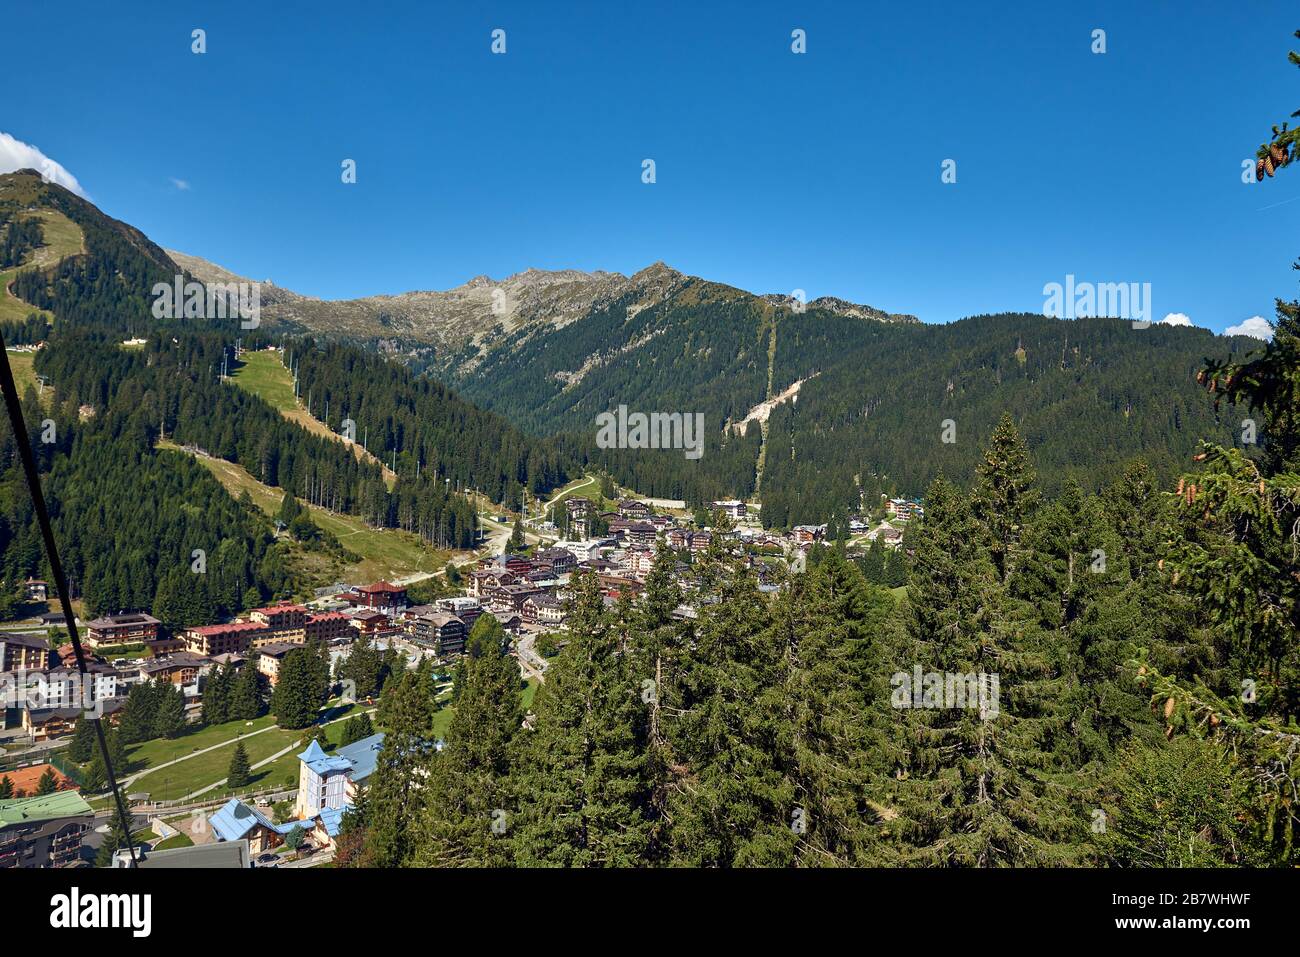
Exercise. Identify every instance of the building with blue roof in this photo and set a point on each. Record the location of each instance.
(330, 781)
(237, 821)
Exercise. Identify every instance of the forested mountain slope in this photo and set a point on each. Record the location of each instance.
(548, 352)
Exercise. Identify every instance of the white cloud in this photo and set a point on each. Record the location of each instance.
(1256, 326)
(16, 155)
(1176, 319)
(181, 184)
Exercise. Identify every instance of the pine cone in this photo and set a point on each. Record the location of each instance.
(1169, 707)
(1268, 165)
(1277, 155)
(1259, 170)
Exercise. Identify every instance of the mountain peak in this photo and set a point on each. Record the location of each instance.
(656, 270)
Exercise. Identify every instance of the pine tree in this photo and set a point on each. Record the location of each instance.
(217, 694)
(1004, 497)
(583, 766)
(1174, 804)
(239, 776)
(49, 782)
(169, 718)
(6, 788)
(730, 803)
(298, 692)
(363, 666)
(395, 791)
(468, 805)
(246, 695)
(356, 728)
(136, 723)
(83, 744)
(976, 786)
(828, 626)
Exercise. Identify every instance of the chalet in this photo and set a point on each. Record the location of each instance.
(125, 629)
(516, 595)
(677, 538)
(45, 724)
(641, 533)
(578, 506)
(516, 564)
(733, 509)
(543, 609)
(562, 560)
(36, 590)
(617, 585)
(67, 655)
(443, 632)
(631, 508)
(905, 509)
(44, 831)
(24, 651)
(371, 623)
(182, 668)
(381, 596)
(509, 619)
(661, 522)
(271, 657)
(52, 619)
(893, 537)
(213, 640)
(807, 534)
(700, 541)
(463, 607)
(486, 581)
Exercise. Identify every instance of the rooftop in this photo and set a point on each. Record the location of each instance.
(47, 807)
(203, 630)
(130, 618)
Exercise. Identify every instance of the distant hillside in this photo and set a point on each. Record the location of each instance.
(549, 351)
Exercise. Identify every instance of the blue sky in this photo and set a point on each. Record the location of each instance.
(775, 171)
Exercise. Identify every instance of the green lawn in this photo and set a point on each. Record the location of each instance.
(176, 840)
(149, 754)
